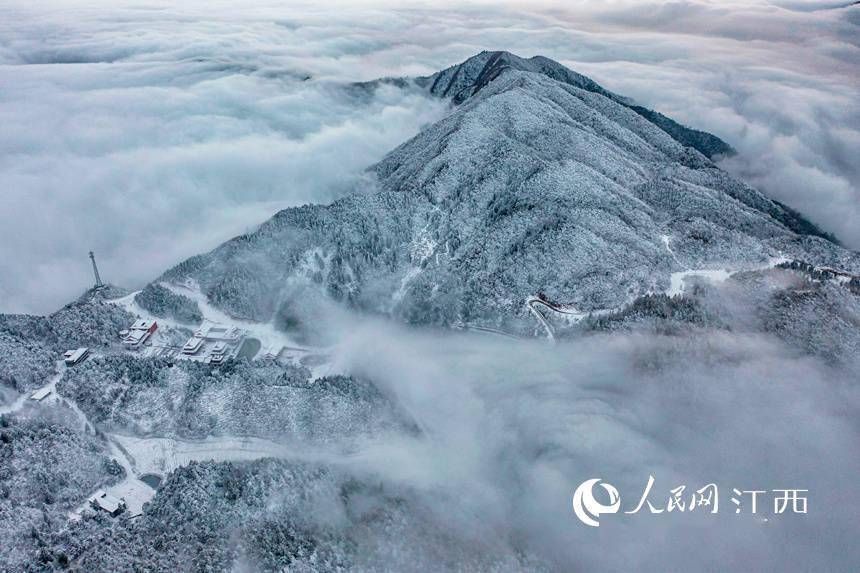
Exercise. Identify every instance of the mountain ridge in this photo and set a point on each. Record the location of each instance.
(470, 76)
(530, 184)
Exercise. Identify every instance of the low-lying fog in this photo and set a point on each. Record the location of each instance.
(510, 428)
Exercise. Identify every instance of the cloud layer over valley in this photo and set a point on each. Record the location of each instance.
(150, 133)
(509, 428)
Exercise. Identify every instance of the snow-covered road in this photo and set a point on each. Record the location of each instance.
(134, 491)
(678, 281)
(160, 456)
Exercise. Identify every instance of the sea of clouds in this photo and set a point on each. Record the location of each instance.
(149, 132)
(509, 428)
(152, 131)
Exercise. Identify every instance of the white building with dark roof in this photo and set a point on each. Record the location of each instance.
(103, 501)
(72, 357)
(139, 332)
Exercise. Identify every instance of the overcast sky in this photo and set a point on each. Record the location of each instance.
(149, 132)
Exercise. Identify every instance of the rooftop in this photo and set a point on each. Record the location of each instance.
(142, 324)
(75, 355)
(106, 501)
(193, 345)
(214, 331)
(41, 394)
(135, 337)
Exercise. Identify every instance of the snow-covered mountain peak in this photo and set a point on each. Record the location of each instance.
(463, 80)
(537, 181)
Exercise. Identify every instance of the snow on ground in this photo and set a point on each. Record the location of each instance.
(131, 489)
(488, 330)
(422, 248)
(410, 275)
(534, 302)
(130, 305)
(154, 346)
(666, 241)
(161, 456)
(134, 491)
(677, 286)
(272, 340)
(565, 312)
(49, 391)
(266, 333)
(677, 281)
(142, 456)
(320, 364)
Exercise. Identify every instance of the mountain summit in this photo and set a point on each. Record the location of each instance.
(538, 182)
(466, 79)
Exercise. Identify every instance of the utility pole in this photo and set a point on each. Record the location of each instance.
(99, 283)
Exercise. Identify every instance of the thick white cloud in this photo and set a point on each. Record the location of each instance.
(152, 139)
(510, 428)
(150, 132)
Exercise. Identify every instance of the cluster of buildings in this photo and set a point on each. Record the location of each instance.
(132, 338)
(213, 343)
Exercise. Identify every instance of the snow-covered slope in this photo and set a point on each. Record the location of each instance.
(538, 181)
(463, 80)
(698, 324)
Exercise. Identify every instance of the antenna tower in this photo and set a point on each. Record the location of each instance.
(99, 283)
